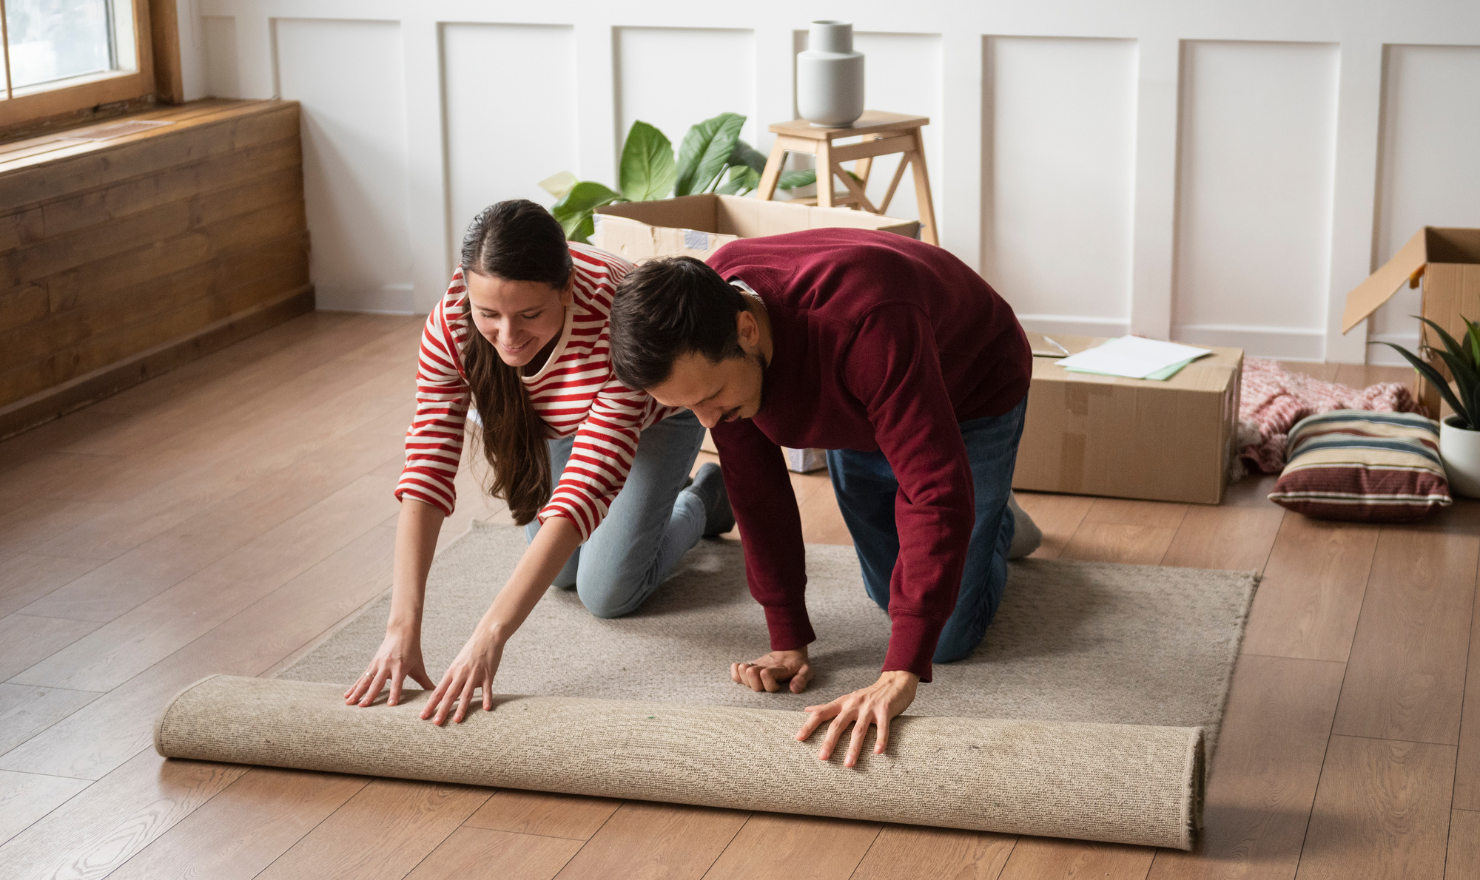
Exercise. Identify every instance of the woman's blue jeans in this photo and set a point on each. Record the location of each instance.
(652, 522)
(866, 488)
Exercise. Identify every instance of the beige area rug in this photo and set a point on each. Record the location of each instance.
(1073, 641)
(1086, 712)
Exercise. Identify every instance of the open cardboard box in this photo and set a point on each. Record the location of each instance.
(696, 226)
(1448, 262)
(1087, 434)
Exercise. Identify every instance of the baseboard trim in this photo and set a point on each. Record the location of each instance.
(74, 394)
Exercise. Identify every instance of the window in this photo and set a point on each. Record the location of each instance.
(62, 56)
(51, 41)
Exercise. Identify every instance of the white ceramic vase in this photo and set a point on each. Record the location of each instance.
(830, 76)
(1460, 450)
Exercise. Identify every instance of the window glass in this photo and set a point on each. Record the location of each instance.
(57, 39)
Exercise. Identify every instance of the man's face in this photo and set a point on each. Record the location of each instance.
(716, 392)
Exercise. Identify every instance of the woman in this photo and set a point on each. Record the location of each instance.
(523, 330)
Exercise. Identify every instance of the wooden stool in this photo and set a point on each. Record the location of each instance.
(883, 134)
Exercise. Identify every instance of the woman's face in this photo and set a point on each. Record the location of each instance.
(519, 318)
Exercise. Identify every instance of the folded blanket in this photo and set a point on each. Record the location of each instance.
(1272, 400)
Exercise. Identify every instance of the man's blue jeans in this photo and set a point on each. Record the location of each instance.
(651, 524)
(866, 488)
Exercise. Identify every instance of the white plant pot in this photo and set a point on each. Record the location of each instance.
(830, 76)
(1460, 450)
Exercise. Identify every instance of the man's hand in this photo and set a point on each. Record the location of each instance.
(876, 704)
(768, 672)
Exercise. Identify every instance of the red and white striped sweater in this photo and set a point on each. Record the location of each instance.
(575, 393)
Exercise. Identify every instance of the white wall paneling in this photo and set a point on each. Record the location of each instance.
(1059, 183)
(1257, 166)
(672, 78)
(348, 76)
(219, 58)
(902, 73)
(493, 152)
(1219, 172)
(1430, 170)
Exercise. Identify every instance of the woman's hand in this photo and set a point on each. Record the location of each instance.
(398, 657)
(474, 668)
(876, 704)
(768, 672)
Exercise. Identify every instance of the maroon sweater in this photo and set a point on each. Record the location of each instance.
(881, 343)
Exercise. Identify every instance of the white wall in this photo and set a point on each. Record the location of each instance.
(1217, 172)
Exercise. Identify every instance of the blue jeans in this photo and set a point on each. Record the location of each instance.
(865, 487)
(651, 524)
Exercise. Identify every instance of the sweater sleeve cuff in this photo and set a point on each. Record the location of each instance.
(790, 627)
(911, 645)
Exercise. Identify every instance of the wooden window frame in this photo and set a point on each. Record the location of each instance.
(157, 57)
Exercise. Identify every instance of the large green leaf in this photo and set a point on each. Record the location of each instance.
(795, 179)
(705, 152)
(575, 207)
(647, 171)
(742, 180)
(1437, 380)
(745, 154)
(1466, 372)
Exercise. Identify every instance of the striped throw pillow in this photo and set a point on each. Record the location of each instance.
(1365, 466)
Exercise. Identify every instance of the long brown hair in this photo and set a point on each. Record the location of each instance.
(516, 240)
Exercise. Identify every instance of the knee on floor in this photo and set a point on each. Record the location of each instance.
(606, 602)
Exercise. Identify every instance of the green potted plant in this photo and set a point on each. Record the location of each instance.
(1459, 434)
(711, 158)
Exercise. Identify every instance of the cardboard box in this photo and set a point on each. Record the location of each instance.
(1087, 434)
(696, 226)
(1448, 262)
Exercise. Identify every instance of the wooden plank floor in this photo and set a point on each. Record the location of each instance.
(222, 517)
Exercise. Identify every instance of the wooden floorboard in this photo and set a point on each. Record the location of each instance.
(1264, 774)
(107, 823)
(1467, 768)
(1311, 593)
(1382, 811)
(476, 852)
(1405, 679)
(656, 842)
(239, 832)
(30, 639)
(546, 815)
(225, 516)
(143, 572)
(906, 852)
(113, 728)
(1462, 862)
(381, 833)
(26, 711)
(1128, 532)
(27, 577)
(776, 845)
(1039, 858)
(26, 797)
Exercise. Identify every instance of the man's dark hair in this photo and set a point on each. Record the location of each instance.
(665, 309)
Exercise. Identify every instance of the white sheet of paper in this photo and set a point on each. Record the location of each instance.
(1132, 357)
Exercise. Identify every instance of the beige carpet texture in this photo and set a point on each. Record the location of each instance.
(1087, 712)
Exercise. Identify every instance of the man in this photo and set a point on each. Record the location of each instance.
(902, 362)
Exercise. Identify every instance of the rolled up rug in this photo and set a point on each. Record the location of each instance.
(1125, 783)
